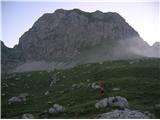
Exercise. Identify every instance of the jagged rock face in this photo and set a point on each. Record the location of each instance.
(65, 33)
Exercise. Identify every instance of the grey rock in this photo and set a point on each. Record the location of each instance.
(18, 99)
(14, 100)
(102, 103)
(157, 106)
(117, 101)
(56, 108)
(124, 114)
(46, 93)
(95, 86)
(116, 89)
(27, 116)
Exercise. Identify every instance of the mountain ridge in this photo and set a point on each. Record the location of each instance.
(74, 36)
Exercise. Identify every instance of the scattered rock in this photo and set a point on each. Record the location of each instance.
(56, 108)
(14, 100)
(61, 92)
(49, 102)
(157, 105)
(40, 72)
(12, 84)
(3, 94)
(29, 75)
(81, 84)
(27, 116)
(18, 99)
(94, 86)
(54, 81)
(46, 93)
(131, 62)
(74, 85)
(116, 89)
(89, 84)
(124, 114)
(17, 78)
(117, 101)
(102, 103)
(88, 80)
(64, 76)
(4, 85)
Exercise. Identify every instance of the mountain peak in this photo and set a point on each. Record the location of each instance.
(77, 36)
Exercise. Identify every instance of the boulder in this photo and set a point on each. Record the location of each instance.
(116, 89)
(4, 85)
(3, 94)
(102, 103)
(124, 114)
(18, 99)
(14, 100)
(27, 116)
(52, 83)
(56, 108)
(46, 93)
(95, 86)
(88, 80)
(74, 85)
(117, 101)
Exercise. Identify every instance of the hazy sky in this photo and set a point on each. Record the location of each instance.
(19, 16)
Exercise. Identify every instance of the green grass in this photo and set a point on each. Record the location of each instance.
(138, 82)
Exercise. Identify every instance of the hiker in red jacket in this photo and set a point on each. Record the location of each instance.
(102, 88)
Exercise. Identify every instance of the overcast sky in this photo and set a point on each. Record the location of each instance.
(19, 16)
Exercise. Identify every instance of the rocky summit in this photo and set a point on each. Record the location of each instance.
(66, 38)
